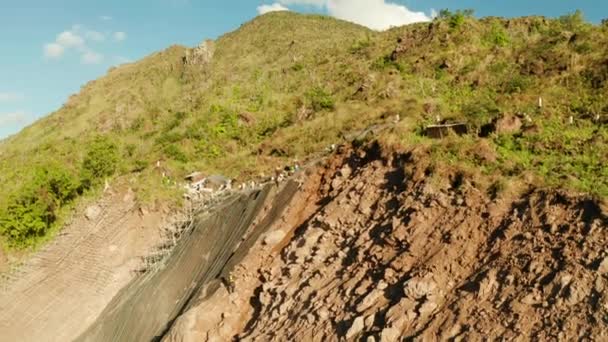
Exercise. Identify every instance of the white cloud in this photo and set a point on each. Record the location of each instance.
(69, 39)
(53, 50)
(95, 36)
(375, 14)
(79, 39)
(118, 60)
(91, 57)
(11, 118)
(120, 36)
(276, 7)
(11, 97)
(105, 17)
(318, 3)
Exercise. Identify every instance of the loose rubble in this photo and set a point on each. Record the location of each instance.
(372, 250)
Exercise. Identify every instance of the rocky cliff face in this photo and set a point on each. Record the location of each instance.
(368, 244)
(202, 54)
(375, 248)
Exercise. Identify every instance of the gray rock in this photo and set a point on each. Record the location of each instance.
(369, 300)
(599, 284)
(508, 125)
(419, 287)
(310, 318)
(346, 171)
(274, 237)
(369, 321)
(427, 308)
(578, 292)
(335, 184)
(265, 298)
(603, 269)
(202, 54)
(356, 328)
(390, 335)
(323, 314)
(92, 212)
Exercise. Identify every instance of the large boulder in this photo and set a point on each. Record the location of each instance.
(92, 212)
(508, 124)
(202, 54)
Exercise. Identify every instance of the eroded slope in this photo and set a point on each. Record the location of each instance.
(376, 246)
(63, 288)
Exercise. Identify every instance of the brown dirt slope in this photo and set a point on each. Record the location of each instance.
(375, 247)
(62, 289)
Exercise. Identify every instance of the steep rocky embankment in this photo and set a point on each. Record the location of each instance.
(375, 247)
(62, 289)
(121, 272)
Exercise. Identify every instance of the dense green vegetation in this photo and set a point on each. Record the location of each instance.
(33, 208)
(100, 161)
(285, 86)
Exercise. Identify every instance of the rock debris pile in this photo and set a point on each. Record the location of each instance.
(374, 248)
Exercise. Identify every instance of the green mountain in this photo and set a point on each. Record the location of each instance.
(285, 86)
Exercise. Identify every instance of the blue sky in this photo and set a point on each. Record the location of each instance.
(53, 47)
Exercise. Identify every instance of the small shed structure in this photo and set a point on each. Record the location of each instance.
(443, 130)
(195, 177)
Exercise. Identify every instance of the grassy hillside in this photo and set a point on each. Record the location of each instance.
(285, 86)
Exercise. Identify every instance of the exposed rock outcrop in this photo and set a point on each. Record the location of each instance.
(376, 251)
(202, 54)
